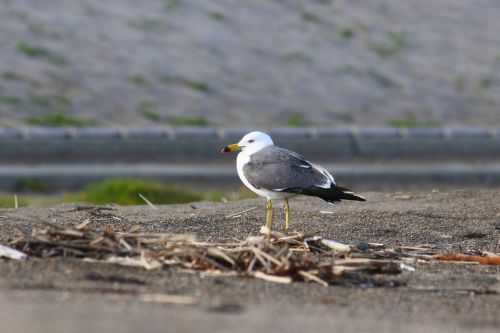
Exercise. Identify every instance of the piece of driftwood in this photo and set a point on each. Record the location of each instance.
(312, 277)
(273, 256)
(11, 253)
(167, 299)
(272, 278)
(488, 260)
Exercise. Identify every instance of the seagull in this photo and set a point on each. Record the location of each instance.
(279, 174)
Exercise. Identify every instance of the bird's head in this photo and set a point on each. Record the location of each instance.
(253, 141)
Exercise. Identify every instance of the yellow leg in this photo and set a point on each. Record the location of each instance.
(269, 214)
(287, 210)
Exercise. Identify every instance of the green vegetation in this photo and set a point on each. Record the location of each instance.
(346, 32)
(218, 16)
(150, 114)
(196, 85)
(296, 120)
(381, 79)
(172, 4)
(193, 84)
(36, 29)
(8, 201)
(31, 185)
(383, 51)
(122, 191)
(13, 100)
(408, 123)
(350, 69)
(482, 90)
(140, 80)
(309, 17)
(34, 51)
(398, 41)
(148, 110)
(346, 118)
(298, 56)
(485, 83)
(54, 103)
(460, 83)
(40, 30)
(188, 121)
(90, 10)
(56, 119)
(147, 24)
(12, 76)
(125, 191)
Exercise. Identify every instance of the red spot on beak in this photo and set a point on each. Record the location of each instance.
(225, 150)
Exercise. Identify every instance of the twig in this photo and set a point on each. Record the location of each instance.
(262, 261)
(272, 278)
(147, 201)
(415, 248)
(252, 264)
(77, 246)
(220, 254)
(209, 261)
(217, 273)
(125, 244)
(127, 261)
(90, 207)
(161, 235)
(83, 225)
(269, 257)
(313, 277)
(165, 298)
(240, 213)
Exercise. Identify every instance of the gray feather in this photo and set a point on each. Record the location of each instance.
(275, 168)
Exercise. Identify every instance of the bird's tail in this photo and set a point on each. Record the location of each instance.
(345, 194)
(334, 194)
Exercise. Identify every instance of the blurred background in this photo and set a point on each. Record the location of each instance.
(390, 95)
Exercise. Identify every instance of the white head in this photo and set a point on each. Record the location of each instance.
(255, 141)
(252, 142)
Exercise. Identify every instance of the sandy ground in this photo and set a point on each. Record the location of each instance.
(69, 295)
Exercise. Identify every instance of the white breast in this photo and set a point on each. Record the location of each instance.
(242, 159)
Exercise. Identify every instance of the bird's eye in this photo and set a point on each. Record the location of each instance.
(250, 141)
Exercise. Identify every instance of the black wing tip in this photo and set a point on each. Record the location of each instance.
(348, 194)
(337, 201)
(358, 198)
(352, 196)
(334, 194)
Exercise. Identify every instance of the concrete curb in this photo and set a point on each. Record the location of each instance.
(360, 177)
(192, 144)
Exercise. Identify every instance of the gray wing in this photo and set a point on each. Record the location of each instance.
(275, 168)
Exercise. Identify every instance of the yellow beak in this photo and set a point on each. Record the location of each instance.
(229, 148)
